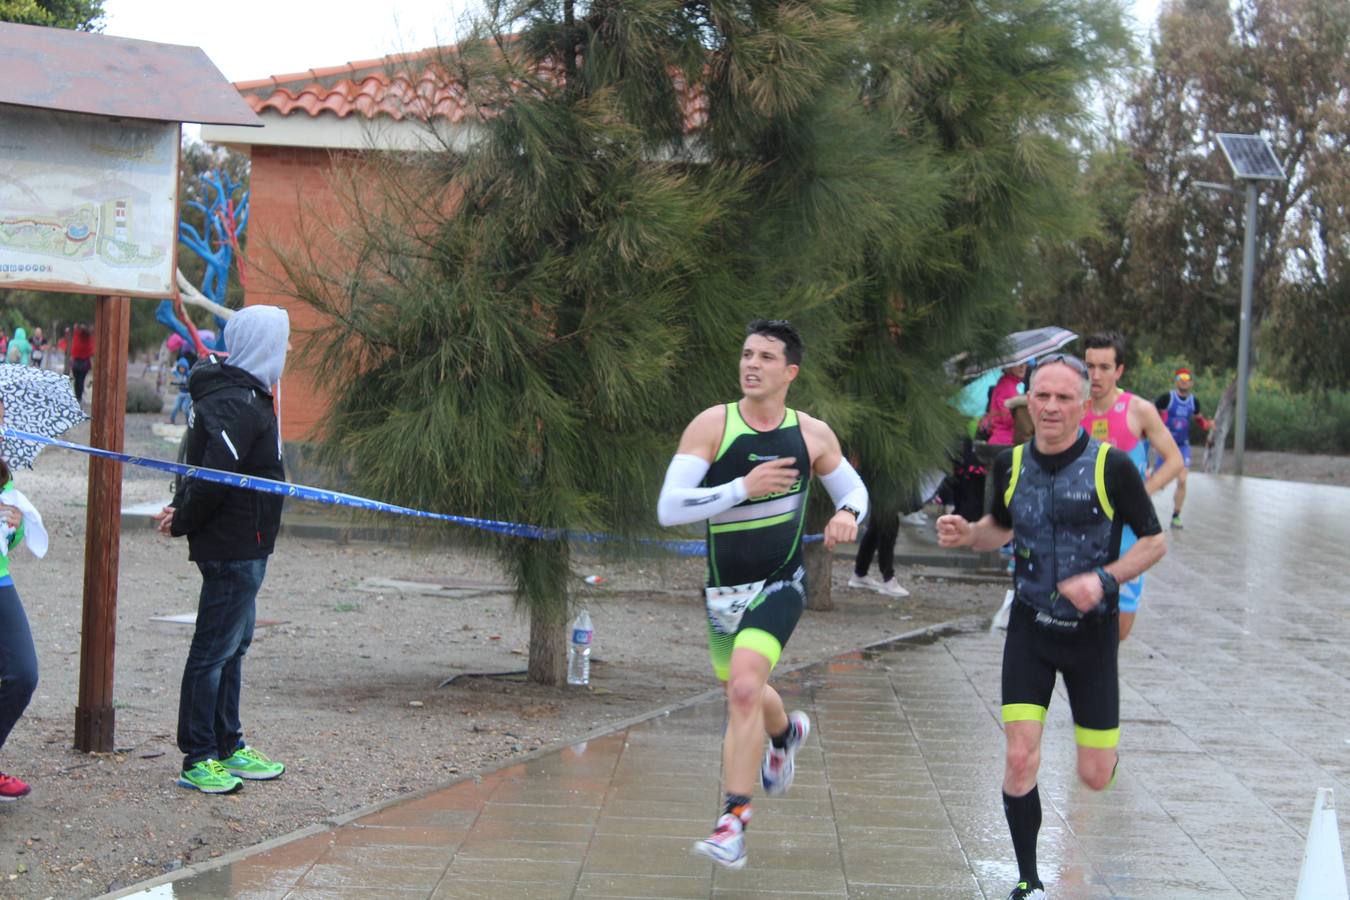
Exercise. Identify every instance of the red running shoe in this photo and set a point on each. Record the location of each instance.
(12, 788)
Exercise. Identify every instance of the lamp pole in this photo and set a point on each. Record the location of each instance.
(1245, 327)
(1244, 316)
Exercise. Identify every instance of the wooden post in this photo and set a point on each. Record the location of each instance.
(94, 719)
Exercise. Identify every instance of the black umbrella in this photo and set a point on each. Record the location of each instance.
(1017, 348)
(38, 401)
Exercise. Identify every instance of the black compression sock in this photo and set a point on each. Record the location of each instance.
(779, 741)
(1024, 822)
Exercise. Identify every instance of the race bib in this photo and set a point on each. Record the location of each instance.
(727, 604)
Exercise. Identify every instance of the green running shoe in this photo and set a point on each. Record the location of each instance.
(209, 777)
(1176, 521)
(249, 763)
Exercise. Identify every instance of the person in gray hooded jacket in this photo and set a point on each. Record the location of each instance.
(231, 533)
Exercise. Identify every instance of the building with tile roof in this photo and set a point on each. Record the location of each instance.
(311, 121)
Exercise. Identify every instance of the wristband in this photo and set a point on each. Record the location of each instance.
(857, 514)
(1109, 584)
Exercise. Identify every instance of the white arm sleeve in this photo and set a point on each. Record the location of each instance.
(846, 488)
(683, 501)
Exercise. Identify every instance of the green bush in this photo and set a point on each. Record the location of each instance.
(143, 398)
(1277, 418)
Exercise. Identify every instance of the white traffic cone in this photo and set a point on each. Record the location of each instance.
(1323, 874)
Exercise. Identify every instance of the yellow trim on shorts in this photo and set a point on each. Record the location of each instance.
(1099, 476)
(1096, 738)
(1023, 712)
(760, 641)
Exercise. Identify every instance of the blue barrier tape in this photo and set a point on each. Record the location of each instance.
(337, 498)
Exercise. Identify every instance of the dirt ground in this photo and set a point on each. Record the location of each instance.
(341, 680)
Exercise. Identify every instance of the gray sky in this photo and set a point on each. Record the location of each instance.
(249, 39)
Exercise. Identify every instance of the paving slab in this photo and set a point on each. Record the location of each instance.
(1234, 712)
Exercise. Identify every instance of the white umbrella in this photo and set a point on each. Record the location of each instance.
(38, 401)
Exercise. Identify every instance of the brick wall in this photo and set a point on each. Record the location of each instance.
(288, 186)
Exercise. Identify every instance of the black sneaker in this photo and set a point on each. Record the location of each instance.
(1025, 891)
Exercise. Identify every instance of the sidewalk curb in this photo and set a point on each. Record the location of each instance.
(927, 632)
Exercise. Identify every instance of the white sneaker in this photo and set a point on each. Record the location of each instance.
(779, 766)
(1001, 617)
(727, 843)
(863, 581)
(891, 588)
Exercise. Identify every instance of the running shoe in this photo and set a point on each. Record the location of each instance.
(1001, 617)
(779, 767)
(726, 845)
(12, 788)
(1024, 891)
(209, 777)
(891, 588)
(249, 763)
(863, 581)
(1176, 521)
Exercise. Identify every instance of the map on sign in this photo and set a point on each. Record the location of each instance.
(1251, 157)
(86, 203)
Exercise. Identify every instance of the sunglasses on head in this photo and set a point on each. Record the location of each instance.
(1068, 359)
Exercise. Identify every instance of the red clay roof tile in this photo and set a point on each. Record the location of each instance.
(407, 85)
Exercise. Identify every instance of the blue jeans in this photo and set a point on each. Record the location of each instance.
(183, 404)
(208, 704)
(18, 661)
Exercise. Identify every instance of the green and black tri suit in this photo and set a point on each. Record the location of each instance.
(758, 540)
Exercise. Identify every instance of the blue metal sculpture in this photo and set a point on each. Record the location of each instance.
(224, 222)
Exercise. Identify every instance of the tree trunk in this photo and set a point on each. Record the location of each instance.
(1218, 434)
(542, 573)
(548, 645)
(819, 563)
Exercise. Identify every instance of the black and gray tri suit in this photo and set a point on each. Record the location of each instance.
(1067, 512)
(759, 539)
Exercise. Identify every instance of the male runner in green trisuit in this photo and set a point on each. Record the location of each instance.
(745, 468)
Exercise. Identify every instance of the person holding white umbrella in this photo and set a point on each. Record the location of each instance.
(42, 405)
(18, 655)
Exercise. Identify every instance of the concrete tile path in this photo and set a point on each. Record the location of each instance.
(1235, 710)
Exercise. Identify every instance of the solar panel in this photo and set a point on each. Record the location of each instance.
(1251, 157)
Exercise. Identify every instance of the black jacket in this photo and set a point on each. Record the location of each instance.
(233, 427)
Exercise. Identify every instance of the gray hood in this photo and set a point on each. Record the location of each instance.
(256, 337)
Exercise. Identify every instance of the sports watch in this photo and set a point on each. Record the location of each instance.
(857, 513)
(1109, 584)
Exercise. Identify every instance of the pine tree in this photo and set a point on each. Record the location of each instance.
(507, 354)
(530, 348)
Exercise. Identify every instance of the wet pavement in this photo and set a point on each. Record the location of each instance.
(1235, 709)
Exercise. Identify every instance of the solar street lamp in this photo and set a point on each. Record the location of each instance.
(1252, 161)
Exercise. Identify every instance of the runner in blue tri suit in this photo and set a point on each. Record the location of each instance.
(1178, 407)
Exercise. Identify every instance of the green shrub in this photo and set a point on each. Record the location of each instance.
(143, 398)
(1277, 418)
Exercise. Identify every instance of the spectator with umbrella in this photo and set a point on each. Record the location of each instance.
(44, 406)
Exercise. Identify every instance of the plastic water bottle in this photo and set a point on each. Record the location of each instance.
(579, 650)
